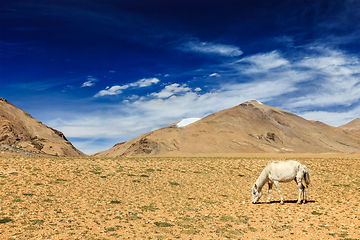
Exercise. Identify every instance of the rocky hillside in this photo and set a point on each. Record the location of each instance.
(250, 127)
(20, 131)
(352, 127)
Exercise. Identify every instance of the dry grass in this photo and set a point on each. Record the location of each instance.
(169, 198)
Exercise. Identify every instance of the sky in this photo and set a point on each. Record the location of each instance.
(104, 72)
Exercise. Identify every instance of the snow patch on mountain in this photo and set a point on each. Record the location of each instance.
(187, 121)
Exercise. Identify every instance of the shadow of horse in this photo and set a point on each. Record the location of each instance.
(287, 201)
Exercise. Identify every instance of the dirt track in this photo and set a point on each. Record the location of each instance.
(169, 198)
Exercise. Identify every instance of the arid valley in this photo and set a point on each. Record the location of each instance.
(174, 198)
(188, 182)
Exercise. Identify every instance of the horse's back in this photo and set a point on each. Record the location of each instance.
(283, 171)
(289, 164)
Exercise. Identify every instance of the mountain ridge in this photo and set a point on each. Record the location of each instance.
(19, 130)
(352, 126)
(250, 127)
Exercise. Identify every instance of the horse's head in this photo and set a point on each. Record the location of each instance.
(256, 194)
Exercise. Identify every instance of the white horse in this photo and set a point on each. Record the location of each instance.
(282, 171)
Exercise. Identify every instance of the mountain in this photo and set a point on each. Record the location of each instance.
(352, 127)
(20, 132)
(250, 127)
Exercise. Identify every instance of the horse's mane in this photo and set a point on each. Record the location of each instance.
(260, 182)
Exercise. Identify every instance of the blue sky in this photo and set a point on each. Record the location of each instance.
(106, 71)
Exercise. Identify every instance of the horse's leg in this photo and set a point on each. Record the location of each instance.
(270, 190)
(304, 194)
(277, 185)
(301, 186)
(301, 190)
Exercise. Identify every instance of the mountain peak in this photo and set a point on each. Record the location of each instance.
(250, 127)
(19, 130)
(252, 102)
(352, 126)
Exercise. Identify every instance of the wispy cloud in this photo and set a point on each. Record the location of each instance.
(145, 82)
(114, 90)
(117, 89)
(214, 75)
(48, 83)
(90, 81)
(333, 118)
(210, 48)
(335, 77)
(171, 90)
(264, 62)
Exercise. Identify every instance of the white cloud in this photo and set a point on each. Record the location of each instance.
(264, 62)
(90, 145)
(145, 82)
(324, 58)
(170, 90)
(116, 89)
(332, 118)
(335, 77)
(214, 75)
(211, 48)
(341, 94)
(90, 81)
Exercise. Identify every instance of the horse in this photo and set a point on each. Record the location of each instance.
(281, 171)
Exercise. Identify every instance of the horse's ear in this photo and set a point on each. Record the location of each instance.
(255, 186)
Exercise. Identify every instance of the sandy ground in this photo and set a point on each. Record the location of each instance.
(173, 198)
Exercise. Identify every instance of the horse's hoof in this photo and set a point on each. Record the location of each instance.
(268, 201)
(282, 203)
(304, 201)
(298, 202)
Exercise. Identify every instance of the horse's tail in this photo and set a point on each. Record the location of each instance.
(306, 176)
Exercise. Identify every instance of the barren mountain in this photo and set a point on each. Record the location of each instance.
(250, 127)
(352, 127)
(19, 130)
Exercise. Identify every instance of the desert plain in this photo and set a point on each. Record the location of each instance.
(174, 198)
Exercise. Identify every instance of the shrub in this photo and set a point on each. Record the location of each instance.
(316, 213)
(148, 208)
(28, 194)
(6, 220)
(174, 183)
(163, 224)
